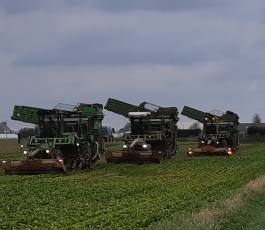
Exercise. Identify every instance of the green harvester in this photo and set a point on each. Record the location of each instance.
(152, 136)
(219, 135)
(68, 139)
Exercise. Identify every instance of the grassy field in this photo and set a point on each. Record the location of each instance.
(9, 148)
(251, 216)
(126, 196)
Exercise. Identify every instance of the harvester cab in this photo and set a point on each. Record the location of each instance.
(152, 136)
(68, 139)
(219, 135)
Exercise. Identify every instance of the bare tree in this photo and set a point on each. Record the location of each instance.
(256, 119)
(195, 125)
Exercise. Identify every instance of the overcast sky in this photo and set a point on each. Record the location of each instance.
(202, 53)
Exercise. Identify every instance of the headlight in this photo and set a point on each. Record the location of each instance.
(145, 146)
(124, 146)
(229, 151)
(202, 142)
(3, 162)
(77, 144)
(47, 151)
(21, 146)
(25, 152)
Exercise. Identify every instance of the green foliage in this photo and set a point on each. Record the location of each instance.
(256, 130)
(125, 196)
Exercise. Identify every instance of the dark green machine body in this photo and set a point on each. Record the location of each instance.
(220, 133)
(153, 132)
(68, 138)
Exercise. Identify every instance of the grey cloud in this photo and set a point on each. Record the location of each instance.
(87, 37)
(168, 5)
(14, 7)
(162, 85)
(139, 37)
(208, 56)
(18, 6)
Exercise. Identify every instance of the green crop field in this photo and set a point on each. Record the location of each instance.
(125, 196)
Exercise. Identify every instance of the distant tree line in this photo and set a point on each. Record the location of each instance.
(256, 119)
(257, 128)
(27, 132)
(184, 133)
